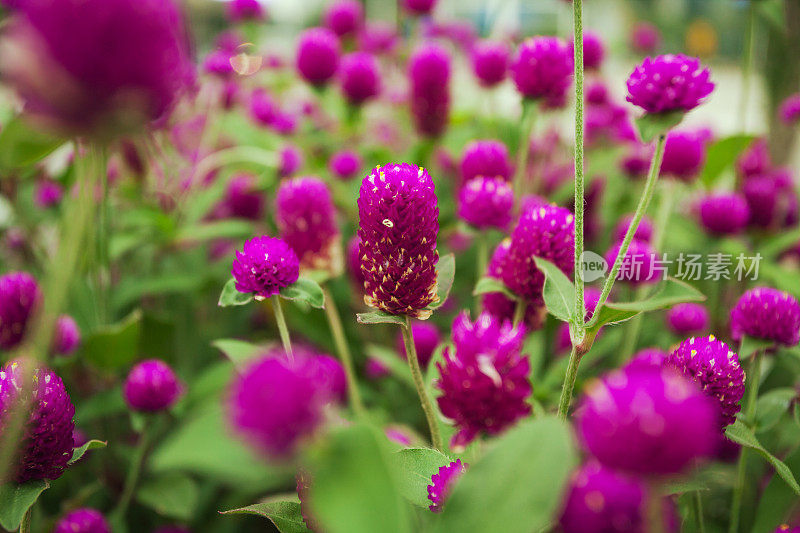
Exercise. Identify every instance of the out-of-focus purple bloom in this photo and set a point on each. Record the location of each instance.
(419, 7)
(344, 17)
(48, 193)
(442, 484)
(218, 63)
(636, 162)
(263, 108)
(639, 264)
(488, 158)
(645, 38)
(429, 74)
(400, 435)
(377, 37)
(426, 339)
(755, 160)
(151, 386)
(345, 164)
(608, 123)
(486, 202)
(644, 231)
(597, 93)
(284, 123)
(790, 109)
(322, 369)
(318, 55)
(647, 357)
(772, 199)
(593, 50)
(684, 155)
(84, 520)
(767, 313)
(688, 319)
(19, 298)
(723, 213)
(241, 10)
(265, 266)
(291, 160)
(354, 264)
(671, 82)
(490, 62)
(242, 199)
(498, 304)
(376, 369)
(67, 336)
(360, 77)
(542, 68)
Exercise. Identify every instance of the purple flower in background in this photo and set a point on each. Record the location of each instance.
(151, 386)
(19, 297)
(67, 336)
(723, 213)
(645, 38)
(498, 304)
(563, 339)
(490, 62)
(345, 164)
(647, 421)
(671, 82)
(284, 123)
(644, 231)
(241, 10)
(488, 158)
(354, 263)
(377, 37)
(429, 74)
(636, 162)
(639, 264)
(84, 520)
(263, 108)
(593, 50)
(318, 55)
(360, 77)
(291, 160)
(46, 447)
(766, 313)
(647, 357)
(398, 224)
(400, 435)
(426, 339)
(542, 68)
(265, 266)
(344, 17)
(785, 528)
(419, 7)
(688, 319)
(322, 369)
(48, 193)
(597, 93)
(755, 160)
(772, 199)
(442, 484)
(486, 203)
(218, 63)
(242, 199)
(684, 155)
(715, 368)
(306, 220)
(484, 380)
(790, 109)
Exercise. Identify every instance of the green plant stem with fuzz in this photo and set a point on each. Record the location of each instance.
(698, 511)
(335, 323)
(283, 330)
(523, 149)
(118, 514)
(753, 378)
(519, 311)
(578, 351)
(419, 383)
(580, 311)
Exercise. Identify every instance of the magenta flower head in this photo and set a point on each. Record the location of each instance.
(46, 447)
(291, 160)
(354, 263)
(486, 203)
(218, 63)
(19, 297)
(442, 484)
(377, 37)
(487, 158)
(265, 266)
(498, 304)
(241, 10)
(48, 194)
(490, 62)
(426, 339)
(344, 17)
(671, 82)
(772, 200)
(593, 50)
(50, 54)
(419, 7)
(84, 520)
(601, 500)
(151, 386)
(67, 336)
(429, 74)
(715, 368)
(318, 55)
(263, 108)
(360, 77)
(647, 421)
(242, 198)
(754, 161)
(275, 404)
(644, 231)
(563, 340)
(790, 109)
(648, 357)
(688, 319)
(484, 382)
(307, 222)
(636, 162)
(766, 313)
(684, 155)
(645, 38)
(723, 213)
(325, 371)
(345, 164)
(399, 221)
(639, 264)
(542, 68)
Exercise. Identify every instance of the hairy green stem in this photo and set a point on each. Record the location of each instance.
(283, 330)
(569, 381)
(419, 383)
(335, 323)
(577, 16)
(25, 525)
(133, 474)
(524, 147)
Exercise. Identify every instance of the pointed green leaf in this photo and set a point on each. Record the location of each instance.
(173, 495)
(488, 285)
(559, 292)
(16, 499)
(772, 405)
(114, 346)
(239, 352)
(22, 145)
(722, 154)
(651, 125)
(379, 317)
(392, 360)
(305, 290)
(77, 453)
(284, 515)
(750, 345)
(445, 274)
(671, 292)
(415, 466)
(740, 433)
(230, 296)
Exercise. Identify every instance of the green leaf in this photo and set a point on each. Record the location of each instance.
(305, 290)
(239, 352)
(487, 285)
(608, 316)
(114, 346)
(776, 502)
(393, 361)
(740, 433)
(352, 466)
(21, 145)
(750, 345)
(218, 229)
(721, 155)
(15, 500)
(445, 274)
(173, 495)
(230, 296)
(671, 292)
(379, 317)
(651, 125)
(77, 453)
(415, 466)
(559, 292)
(772, 406)
(284, 515)
(518, 485)
(774, 246)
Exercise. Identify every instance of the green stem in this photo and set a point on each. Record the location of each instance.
(569, 381)
(524, 147)
(102, 270)
(335, 323)
(519, 311)
(282, 329)
(698, 511)
(577, 16)
(419, 383)
(25, 525)
(482, 255)
(133, 474)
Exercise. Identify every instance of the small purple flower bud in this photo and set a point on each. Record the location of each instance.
(498, 304)
(442, 484)
(67, 336)
(318, 55)
(490, 62)
(360, 77)
(636, 162)
(542, 68)
(263, 108)
(597, 93)
(151, 386)
(671, 82)
(639, 264)
(378, 37)
(218, 63)
(426, 339)
(429, 74)
(344, 17)
(84, 520)
(265, 266)
(593, 50)
(488, 158)
(345, 165)
(755, 160)
(19, 297)
(766, 313)
(644, 231)
(647, 357)
(723, 214)
(684, 155)
(419, 7)
(790, 109)
(48, 194)
(645, 38)
(291, 160)
(772, 200)
(688, 319)
(242, 199)
(486, 203)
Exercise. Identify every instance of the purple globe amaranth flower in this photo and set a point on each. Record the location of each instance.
(772, 199)
(542, 68)
(307, 222)
(789, 110)
(484, 381)
(754, 161)
(265, 266)
(19, 297)
(275, 404)
(354, 263)
(84, 520)
(400, 435)
(218, 63)
(242, 199)
(688, 319)
(639, 264)
(426, 339)
(593, 50)
(442, 484)
(647, 357)
(490, 62)
(318, 55)
(50, 55)
(671, 82)
(67, 336)
(359, 74)
(151, 386)
(399, 221)
(345, 164)
(325, 371)
(723, 213)
(291, 160)
(284, 123)
(785, 528)
(378, 37)
(488, 158)
(263, 108)
(766, 313)
(46, 447)
(647, 421)
(48, 194)
(486, 203)
(241, 10)
(645, 38)
(636, 162)
(597, 93)
(419, 7)
(498, 304)
(344, 17)
(684, 155)
(644, 231)
(429, 75)
(715, 368)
